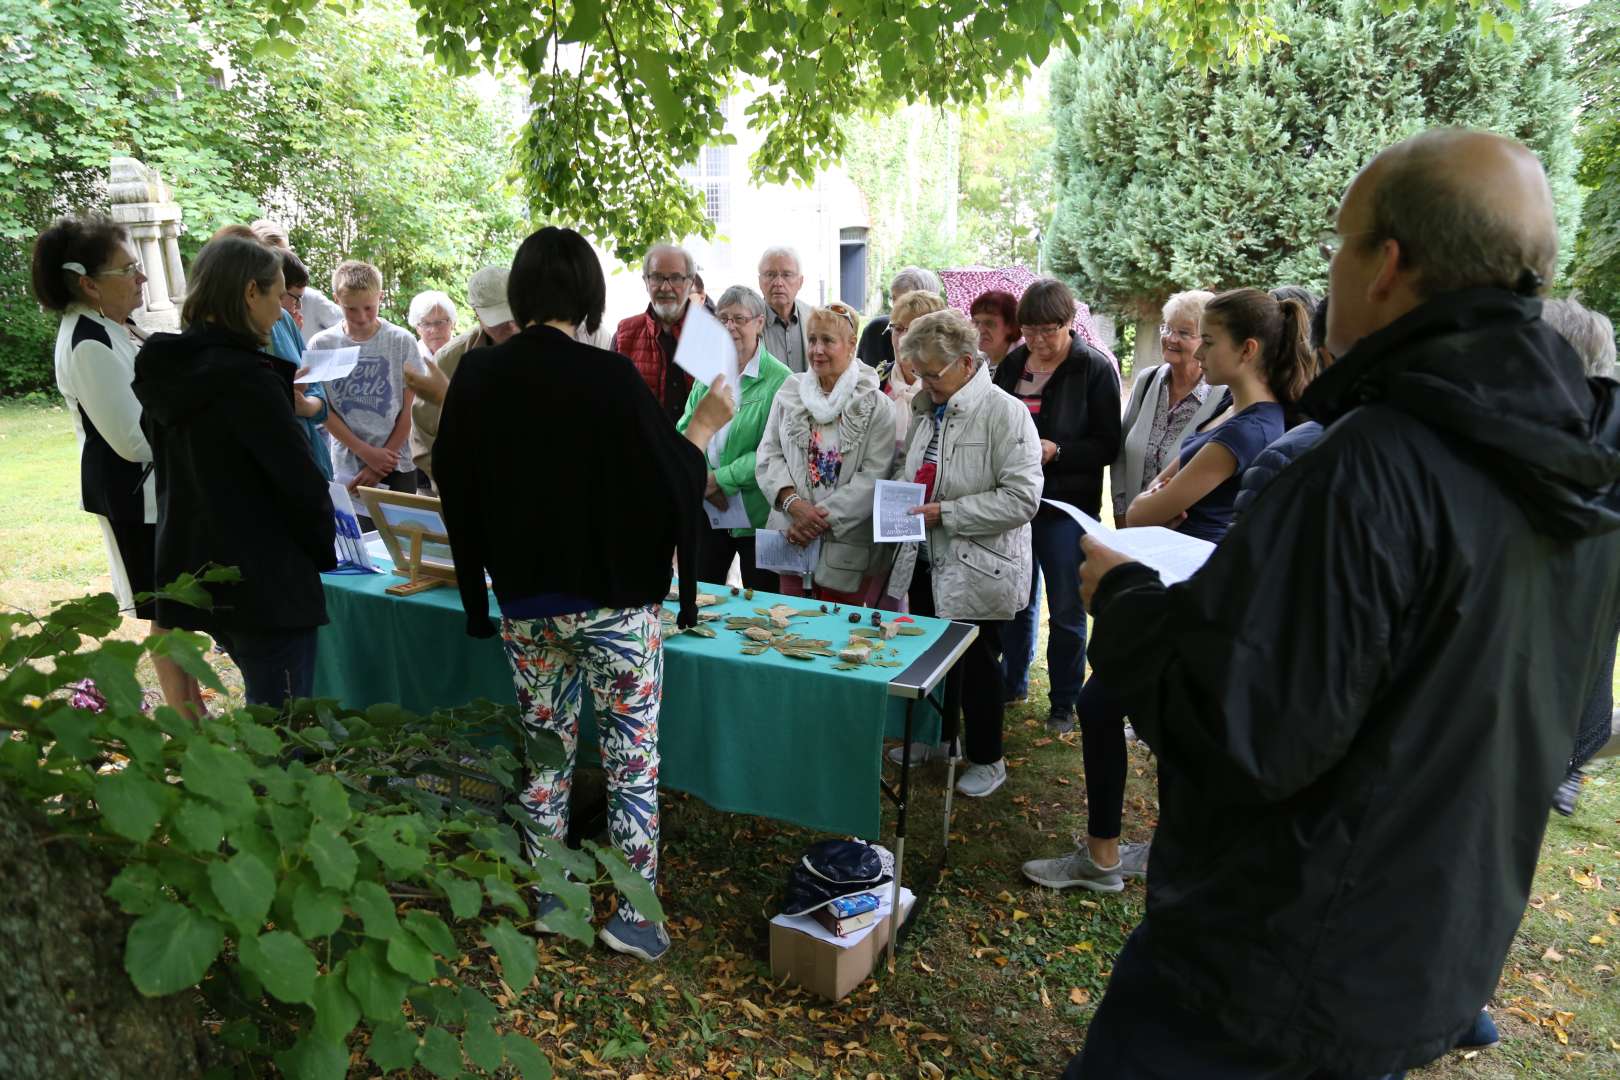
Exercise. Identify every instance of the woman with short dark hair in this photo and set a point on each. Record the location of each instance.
(574, 519)
(236, 484)
(1072, 392)
(85, 270)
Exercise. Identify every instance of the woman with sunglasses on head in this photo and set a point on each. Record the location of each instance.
(85, 270)
(829, 439)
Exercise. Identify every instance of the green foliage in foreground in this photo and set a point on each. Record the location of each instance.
(1171, 178)
(288, 867)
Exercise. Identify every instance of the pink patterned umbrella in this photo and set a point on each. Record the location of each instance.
(966, 285)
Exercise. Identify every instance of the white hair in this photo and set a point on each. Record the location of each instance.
(916, 279)
(744, 297)
(691, 263)
(423, 303)
(946, 335)
(1589, 333)
(1187, 305)
(780, 252)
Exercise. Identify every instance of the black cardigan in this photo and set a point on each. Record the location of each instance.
(1080, 412)
(235, 483)
(560, 473)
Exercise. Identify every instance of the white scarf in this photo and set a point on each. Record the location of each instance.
(825, 408)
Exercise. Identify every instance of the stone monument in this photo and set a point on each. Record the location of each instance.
(143, 204)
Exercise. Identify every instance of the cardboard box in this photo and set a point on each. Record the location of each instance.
(822, 967)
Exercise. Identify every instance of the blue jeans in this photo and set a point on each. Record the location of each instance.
(1057, 559)
(1141, 1032)
(275, 664)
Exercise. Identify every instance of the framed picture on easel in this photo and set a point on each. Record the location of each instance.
(412, 528)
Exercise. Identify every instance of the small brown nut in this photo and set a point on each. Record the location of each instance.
(736, 591)
(748, 594)
(854, 616)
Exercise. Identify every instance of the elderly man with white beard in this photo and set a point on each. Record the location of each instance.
(649, 338)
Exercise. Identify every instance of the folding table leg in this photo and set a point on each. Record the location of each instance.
(900, 834)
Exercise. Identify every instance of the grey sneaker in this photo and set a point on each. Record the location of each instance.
(1060, 721)
(1077, 869)
(1133, 859)
(977, 781)
(921, 753)
(648, 940)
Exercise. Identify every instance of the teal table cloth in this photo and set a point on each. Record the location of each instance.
(788, 739)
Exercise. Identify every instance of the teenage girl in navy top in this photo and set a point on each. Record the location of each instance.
(1259, 348)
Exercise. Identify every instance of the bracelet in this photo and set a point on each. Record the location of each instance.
(789, 501)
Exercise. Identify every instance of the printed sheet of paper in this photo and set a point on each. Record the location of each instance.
(734, 516)
(706, 350)
(1174, 556)
(351, 547)
(328, 364)
(892, 521)
(774, 551)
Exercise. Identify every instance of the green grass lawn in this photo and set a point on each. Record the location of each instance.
(999, 979)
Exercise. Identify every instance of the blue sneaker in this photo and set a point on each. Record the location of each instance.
(1482, 1036)
(647, 940)
(544, 904)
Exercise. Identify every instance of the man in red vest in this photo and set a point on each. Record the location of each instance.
(649, 338)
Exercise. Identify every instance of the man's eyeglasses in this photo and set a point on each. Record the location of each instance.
(1331, 240)
(778, 275)
(1179, 335)
(660, 280)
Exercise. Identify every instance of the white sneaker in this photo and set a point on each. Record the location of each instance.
(977, 781)
(1068, 871)
(1133, 859)
(921, 753)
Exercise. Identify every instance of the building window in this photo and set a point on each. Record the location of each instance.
(711, 174)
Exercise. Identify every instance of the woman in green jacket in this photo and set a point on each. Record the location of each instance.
(731, 452)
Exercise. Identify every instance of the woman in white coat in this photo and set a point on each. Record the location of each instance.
(976, 450)
(84, 269)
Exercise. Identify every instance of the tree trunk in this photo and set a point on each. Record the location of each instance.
(66, 1006)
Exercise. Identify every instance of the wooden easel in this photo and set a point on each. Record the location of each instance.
(404, 540)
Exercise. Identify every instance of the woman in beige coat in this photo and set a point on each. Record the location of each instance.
(976, 449)
(829, 440)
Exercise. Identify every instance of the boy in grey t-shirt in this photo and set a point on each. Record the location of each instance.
(370, 417)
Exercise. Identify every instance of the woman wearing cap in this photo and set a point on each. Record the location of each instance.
(829, 439)
(85, 270)
(486, 293)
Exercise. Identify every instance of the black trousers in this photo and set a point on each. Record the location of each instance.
(1102, 750)
(973, 689)
(1140, 1032)
(716, 547)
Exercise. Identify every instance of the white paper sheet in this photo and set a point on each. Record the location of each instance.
(891, 521)
(734, 516)
(705, 349)
(1174, 556)
(774, 551)
(351, 547)
(328, 364)
(807, 923)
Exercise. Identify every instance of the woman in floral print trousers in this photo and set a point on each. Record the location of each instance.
(617, 656)
(578, 557)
